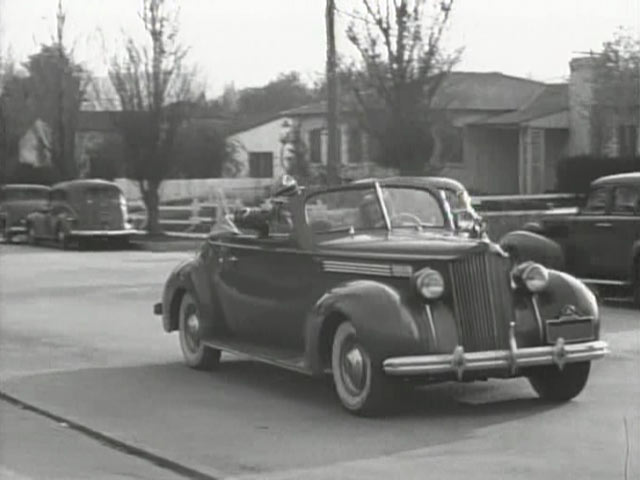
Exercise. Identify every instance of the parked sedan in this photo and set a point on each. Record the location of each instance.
(601, 242)
(16, 202)
(373, 284)
(79, 210)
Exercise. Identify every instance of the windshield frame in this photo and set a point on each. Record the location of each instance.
(377, 187)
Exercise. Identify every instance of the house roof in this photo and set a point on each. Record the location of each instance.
(461, 91)
(485, 91)
(249, 122)
(490, 92)
(553, 99)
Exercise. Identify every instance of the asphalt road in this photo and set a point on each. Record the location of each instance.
(79, 345)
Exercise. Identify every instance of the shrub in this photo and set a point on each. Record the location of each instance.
(574, 174)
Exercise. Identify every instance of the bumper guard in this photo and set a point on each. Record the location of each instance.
(558, 354)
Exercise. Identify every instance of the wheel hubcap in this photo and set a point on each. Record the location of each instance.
(354, 369)
(191, 332)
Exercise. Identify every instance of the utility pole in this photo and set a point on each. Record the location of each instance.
(60, 157)
(333, 154)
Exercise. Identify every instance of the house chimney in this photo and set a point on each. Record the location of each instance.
(580, 105)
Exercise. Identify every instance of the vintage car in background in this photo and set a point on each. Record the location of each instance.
(16, 202)
(373, 284)
(81, 210)
(600, 243)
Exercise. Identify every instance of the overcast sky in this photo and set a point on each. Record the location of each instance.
(249, 42)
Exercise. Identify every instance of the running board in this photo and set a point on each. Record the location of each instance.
(279, 357)
(613, 283)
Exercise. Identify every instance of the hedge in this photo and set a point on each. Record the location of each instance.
(574, 174)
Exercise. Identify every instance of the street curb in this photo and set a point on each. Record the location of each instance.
(112, 442)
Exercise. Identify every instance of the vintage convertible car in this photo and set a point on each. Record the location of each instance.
(600, 243)
(79, 210)
(372, 284)
(16, 202)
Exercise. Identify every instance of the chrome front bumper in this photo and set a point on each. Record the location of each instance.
(102, 233)
(458, 362)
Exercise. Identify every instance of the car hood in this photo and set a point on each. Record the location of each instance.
(408, 243)
(21, 208)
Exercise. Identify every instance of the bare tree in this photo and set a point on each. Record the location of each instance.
(155, 88)
(403, 63)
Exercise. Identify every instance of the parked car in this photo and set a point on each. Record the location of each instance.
(372, 283)
(600, 243)
(16, 202)
(79, 210)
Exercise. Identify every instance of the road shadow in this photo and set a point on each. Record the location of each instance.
(260, 418)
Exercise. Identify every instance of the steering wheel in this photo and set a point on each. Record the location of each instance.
(399, 216)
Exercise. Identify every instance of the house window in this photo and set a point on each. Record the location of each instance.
(355, 145)
(261, 164)
(627, 140)
(315, 145)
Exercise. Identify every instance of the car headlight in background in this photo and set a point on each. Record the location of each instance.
(532, 275)
(429, 283)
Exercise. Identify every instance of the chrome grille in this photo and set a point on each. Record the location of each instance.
(482, 301)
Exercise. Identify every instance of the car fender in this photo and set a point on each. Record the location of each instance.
(525, 245)
(186, 277)
(386, 323)
(564, 290)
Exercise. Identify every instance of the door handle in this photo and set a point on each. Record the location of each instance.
(604, 225)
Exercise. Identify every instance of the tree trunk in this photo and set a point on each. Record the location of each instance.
(152, 202)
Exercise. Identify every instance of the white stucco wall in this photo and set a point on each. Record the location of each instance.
(262, 138)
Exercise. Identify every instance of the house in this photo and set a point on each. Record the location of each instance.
(466, 98)
(502, 134)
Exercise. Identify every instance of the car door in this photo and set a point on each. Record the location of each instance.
(264, 285)
(58, 208)
(616, 241)
(587, 230)
(42, 221)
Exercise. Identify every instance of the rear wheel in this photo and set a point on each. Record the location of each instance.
(556, 385)
(196, 354)
(362, 388)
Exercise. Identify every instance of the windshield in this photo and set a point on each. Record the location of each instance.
(361, 209)
(25, 194)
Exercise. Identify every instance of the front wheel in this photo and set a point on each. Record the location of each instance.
(362, 388)
(556, 385)
(196, 354)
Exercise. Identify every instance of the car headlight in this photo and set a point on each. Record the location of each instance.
(429, 283)
(534, 276)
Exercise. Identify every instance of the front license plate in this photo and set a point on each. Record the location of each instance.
(571, 329)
